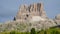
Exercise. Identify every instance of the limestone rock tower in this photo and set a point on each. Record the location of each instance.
(26, 12)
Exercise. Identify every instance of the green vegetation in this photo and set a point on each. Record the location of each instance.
(33, 31)
(47, 31)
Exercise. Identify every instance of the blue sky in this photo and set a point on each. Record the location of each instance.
(9, 8)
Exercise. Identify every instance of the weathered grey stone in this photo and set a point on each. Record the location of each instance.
(26, 12)
(32, 16)
(57, 17)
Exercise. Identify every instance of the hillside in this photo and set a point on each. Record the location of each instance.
(28, 17)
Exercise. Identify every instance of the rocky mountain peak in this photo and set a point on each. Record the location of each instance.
(26, 12)
(32, 16)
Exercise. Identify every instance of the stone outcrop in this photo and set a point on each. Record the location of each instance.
(57, 17)
(26, 12)
(27, 26)
(32, 16)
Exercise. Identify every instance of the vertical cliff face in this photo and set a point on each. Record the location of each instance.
(32, 16)
(27, 12)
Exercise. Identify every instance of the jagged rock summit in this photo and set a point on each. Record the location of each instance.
(34, 11)
(28, 17)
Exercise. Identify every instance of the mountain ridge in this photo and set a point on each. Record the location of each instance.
(32, 16)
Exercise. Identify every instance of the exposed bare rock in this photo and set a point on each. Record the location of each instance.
(27, 25)
(57, 22)
(57, 17)
(32, 16)
(26, 12)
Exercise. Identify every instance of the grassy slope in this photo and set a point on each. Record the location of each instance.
(47, 31)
